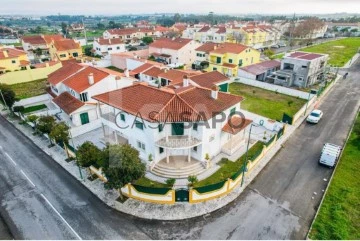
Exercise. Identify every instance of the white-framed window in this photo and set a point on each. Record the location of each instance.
(84, 97)
(140, 145)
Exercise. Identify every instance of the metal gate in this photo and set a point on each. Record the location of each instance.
(181, 195)
(287, 119)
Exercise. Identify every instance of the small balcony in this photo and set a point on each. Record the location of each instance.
(178, 142)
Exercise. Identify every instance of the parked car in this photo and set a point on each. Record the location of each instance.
(329, 155)
(314, 116)
(275, 46)
(282, 45)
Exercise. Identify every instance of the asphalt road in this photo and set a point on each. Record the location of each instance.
(279, 204)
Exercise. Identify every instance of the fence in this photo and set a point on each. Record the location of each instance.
(198, 194)
(275, 88)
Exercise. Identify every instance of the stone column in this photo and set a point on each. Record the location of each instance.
(189, 155)
(167, 155)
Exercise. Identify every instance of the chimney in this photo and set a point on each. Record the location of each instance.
(214, 92)
(165, 70)
(185, 81)
(173, 39)
(126, 72)
(5, 53)
(91, 79)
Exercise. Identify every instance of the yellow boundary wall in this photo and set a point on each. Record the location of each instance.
(194, 196)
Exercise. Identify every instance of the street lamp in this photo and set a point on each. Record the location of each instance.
(247, 150)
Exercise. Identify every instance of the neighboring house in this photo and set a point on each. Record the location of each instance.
(151, 75)
(129, 34)
(152, 120)
(105, 47)
(76, 28)
(210, 79)
(174, 50)
(12, 59)
(65, 49)
(73, 87)
(202, 56)
(211, 34)
(259, 71)
(300, 69)
(175, 76)
(35, 47)
(228, 57)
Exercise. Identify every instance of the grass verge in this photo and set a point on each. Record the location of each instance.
(29, 89)
(340, 51)
(265, 102)
(339, 214)
(146, 182)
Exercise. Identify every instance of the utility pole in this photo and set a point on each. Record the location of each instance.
(84, 31)
(292, 28)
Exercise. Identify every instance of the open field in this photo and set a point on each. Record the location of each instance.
(340, 51)
(265, 102)
(339, 215)
(29, 89)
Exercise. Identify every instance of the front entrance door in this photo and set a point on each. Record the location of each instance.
(84, 117)
(182, 195)
(177, 129)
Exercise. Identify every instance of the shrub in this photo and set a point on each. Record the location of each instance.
(18, 108)
(170, 182)
(192, 180)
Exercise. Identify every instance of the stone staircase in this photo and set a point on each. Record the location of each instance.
(180, 172)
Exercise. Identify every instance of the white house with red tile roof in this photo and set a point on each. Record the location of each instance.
(174, 127)
(105, 47)
(174, 50)
(75, 83)
(35, 46)
(128, 34)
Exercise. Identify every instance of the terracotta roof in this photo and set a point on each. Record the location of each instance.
(127, 31)
(168, 105)
(262, 67)
(175, 76)
(80, 82)
(236, 124)
(204, 29)
(209, 79)
(113, 41)
(221, 30)
(36, 40)
(24, 63)
(66, 44)
(64, 72)
(168, 43)
(229, 48)
(50, 38)
(142, 68)
(11, 53)
(68, 103)
(153, 72)
(207, 47)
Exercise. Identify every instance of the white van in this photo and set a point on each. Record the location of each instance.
(330, 155)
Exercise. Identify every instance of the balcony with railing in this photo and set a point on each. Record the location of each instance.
(178, 142)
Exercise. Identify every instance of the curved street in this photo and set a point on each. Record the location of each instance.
(40, 200)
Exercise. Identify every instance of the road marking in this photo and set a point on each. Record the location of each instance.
(56, 211)
(27, 177)
(10, 159)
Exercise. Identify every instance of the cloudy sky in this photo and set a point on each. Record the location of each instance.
(115, 7)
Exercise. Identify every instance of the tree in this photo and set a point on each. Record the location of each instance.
(147, 40)
(238, 37)
(38, 52)
(38, 29)
(177, 18)
(46, 124)
(64, 28)
(60, 133)
(33, 119)
(123, 165)
(308, 27)
(269, 53)
(170, 182)
(100, 26)
(8, 95)
(88, 154)
(192, 180)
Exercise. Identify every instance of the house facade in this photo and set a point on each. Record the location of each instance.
(228, 57)
(106, 47)
(152, 121)
(174, 50)
(300, 69)
(65, 49)
(12, 59)
(259, 71)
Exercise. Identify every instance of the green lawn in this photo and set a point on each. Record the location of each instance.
(34, 108)
(278, 56)
(145, 182)
(266, 103)
(339, 215)
(229, 168)
(340, 51)
(29, 89)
